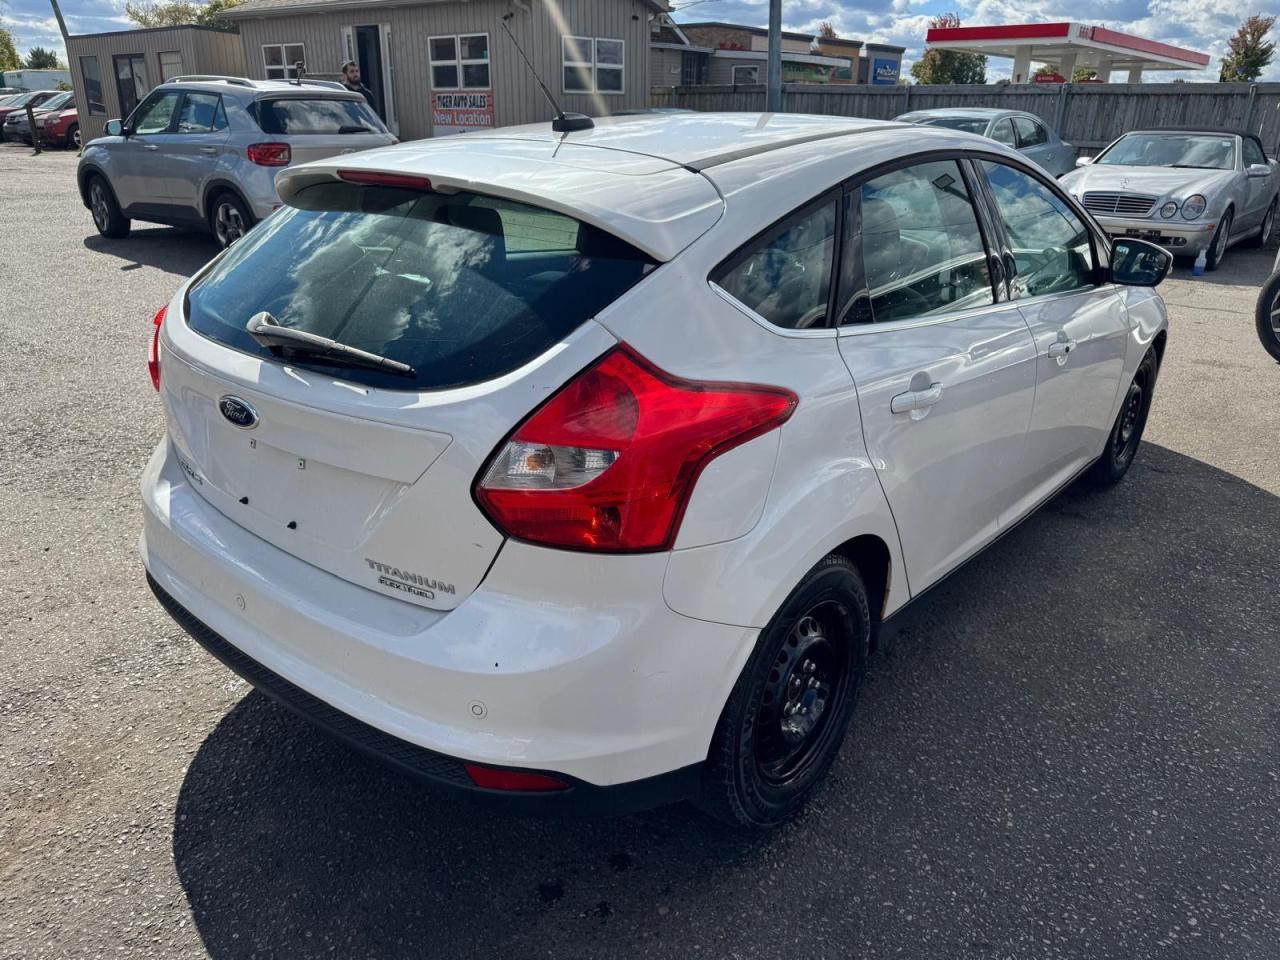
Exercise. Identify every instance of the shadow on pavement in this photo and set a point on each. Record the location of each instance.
(1069, 751)
(180, 252)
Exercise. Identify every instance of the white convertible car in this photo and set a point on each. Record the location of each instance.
(1186, 190)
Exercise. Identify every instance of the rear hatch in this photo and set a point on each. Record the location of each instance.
(318, 124)
(364, 472)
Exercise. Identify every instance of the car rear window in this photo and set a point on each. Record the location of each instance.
(318, 115)
(461, 287)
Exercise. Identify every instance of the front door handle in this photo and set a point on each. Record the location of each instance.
(150, 146)
(211, 151)
(1061, 348)
(917, 402)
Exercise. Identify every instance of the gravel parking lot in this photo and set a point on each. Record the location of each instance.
(1073, 751)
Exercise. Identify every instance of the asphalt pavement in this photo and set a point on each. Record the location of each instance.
(1072, 751)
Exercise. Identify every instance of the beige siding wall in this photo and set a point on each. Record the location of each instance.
(516, 97)
(720, 71)
(664, 67)
(203, 51)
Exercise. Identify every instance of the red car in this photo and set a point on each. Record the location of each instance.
(60, 128)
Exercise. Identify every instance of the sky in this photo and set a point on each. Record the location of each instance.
(1203, 25)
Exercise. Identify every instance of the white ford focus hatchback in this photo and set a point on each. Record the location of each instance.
(582, 470)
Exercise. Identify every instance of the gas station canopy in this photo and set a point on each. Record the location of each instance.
(1067, 46)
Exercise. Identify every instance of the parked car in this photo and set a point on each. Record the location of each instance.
(205, 151)
(61, 128)
(1267, 312)
(15, 126)
(1025, 132)
(583, 469)
(1190, 191)
(19, 102)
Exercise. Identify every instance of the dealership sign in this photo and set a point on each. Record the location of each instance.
(884, 71)
(461, 112)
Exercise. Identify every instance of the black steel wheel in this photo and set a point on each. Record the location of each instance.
(789, 711)
(1126, 433)
(1267, 315)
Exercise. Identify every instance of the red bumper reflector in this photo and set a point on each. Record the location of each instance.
(153, 355)
(493, 779)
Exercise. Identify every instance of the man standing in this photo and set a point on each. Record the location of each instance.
(351, 80)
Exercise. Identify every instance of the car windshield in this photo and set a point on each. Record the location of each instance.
(461, 287)
(965, 124)
(56, 103)
(22, 99)
(319, 115)
(1205, 151)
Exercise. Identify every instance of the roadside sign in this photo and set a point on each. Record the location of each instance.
(461, 112)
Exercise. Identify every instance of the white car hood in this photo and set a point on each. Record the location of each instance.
(1154, 181)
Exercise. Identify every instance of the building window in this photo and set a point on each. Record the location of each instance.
(131, 81)
(746, 74)
(93, 86)
(281, 60)
(693, 69)
(459, 62)
(170, 65)
(593, 65)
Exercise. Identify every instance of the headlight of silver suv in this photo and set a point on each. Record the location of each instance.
(1168, 210)
(1193, 206)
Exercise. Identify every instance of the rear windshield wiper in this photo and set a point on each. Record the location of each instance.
(354, 128)
(264, 328)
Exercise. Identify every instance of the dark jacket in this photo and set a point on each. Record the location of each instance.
(364, 92)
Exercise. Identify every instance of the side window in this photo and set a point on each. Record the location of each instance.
(1030, 133)
(199, 113)
(922, 250)
(155, 113)
(1050, 244)
(1002, 132)
(785, 275)
(1253, 153)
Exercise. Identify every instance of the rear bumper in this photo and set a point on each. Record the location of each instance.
(1179, 237)
(578, 799)
(563, 663)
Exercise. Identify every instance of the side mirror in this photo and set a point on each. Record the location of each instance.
(1083, 161)
(114, 128)
(1257, 170)
(1137, 263)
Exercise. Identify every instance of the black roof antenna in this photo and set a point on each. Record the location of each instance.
(564, 122)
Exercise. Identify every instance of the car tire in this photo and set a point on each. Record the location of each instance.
(808, 662)
(1126, 433)
(229, 219)
(1221, 237)
(107, 215)
(73, 137)
(1268, 228)
(1267, 316)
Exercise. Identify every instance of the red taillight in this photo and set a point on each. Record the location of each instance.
(493, 779)
(375, 178)
(608, 463)
(153, 355)
(269, 154)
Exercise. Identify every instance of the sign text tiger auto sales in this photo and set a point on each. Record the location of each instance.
(460, 112)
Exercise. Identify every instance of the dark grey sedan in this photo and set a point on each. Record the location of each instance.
(1025, 132)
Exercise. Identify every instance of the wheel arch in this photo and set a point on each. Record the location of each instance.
(870, 555)
(82, 180)
(217, 186)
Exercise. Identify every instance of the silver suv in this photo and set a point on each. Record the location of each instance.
(205, 151)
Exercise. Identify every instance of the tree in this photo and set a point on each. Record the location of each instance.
(949, 66)
(38, 58)
(827, 31)
(1250, 51)
(177, 13)
(9, 59)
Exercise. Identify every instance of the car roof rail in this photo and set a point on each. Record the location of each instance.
(201, 78)
(331, 84)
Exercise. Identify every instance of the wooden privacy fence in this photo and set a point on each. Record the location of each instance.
(1088, 115)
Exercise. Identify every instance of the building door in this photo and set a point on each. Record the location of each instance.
(369, 45)
(131, 81)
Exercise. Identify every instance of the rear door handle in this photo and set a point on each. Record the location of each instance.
(150, 146)
(1061, 348)
(917, 402)
(211, 151)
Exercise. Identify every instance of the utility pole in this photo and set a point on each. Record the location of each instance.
(62, 24)
(773, 98)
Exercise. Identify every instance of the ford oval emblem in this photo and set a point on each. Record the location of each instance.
(238, 412)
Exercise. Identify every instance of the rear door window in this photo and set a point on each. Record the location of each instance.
(428, 279)
(1030, 133)
(1002, 132)
(315, 116)
(201, 113)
